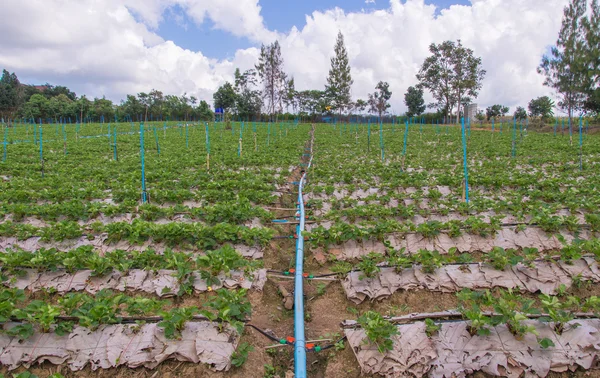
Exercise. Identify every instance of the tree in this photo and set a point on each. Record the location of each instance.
(131, 106)
(591, 27)
(225, 97)
(468, 74)
(83, 107)
(435, 75)
(480, 116)
(291, 95)
(59, 107)
(339, 81)
(360, 105)
(413, 99)
(53, 91)
(9, 94)
(204, 112)
(520, 114)
(103, 107)
(541, 107)
(36, 107)
(565, 67)
(378, 101)
(273, 79)
(495, 111)
(450, 73)
(248, 101)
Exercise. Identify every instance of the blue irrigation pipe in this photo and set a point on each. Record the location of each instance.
(464, 142)
(300, 342)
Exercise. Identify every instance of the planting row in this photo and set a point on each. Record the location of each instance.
(502, 342)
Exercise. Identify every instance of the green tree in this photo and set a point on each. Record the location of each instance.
(495, 111)
(291, 95)
(451, 73)
(272, 77)
(10, 89)
(131, 107)
(520, 113)
(225, 97)
(248, 102)
(360, 105)
(53, 91)
(204, 112)
(36, 107)
(565, 67)
(413, 99)
(541, 107)
(591, 27)
(378, 100)
(83, 107)
(102, 107)
(59, 107)
(339, 81)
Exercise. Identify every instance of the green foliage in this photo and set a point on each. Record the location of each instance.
(379, 100)
(431, 328)
(339, 80)
(174, 321)
(379, 331)
(413, 99)
(239, 357)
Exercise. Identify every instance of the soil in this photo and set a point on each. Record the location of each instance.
(326, 306)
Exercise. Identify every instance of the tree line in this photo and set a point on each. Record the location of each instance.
(452, 74)
(58, 103)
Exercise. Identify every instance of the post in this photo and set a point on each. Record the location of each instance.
(187, 143)
(369, 136)
(466, 171)
(514, 140)
(381, 141)
(580, 144)
(5, 142)
(405, 141)
(207, 147)
(143, 158)
(64, 139)
(115, 155)
(41, 149)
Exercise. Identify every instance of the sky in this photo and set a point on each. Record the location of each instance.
(117, 47)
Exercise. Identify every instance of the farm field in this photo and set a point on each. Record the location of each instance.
(403, 275)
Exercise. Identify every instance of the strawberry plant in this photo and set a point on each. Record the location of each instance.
(379, 331)
(174, 321)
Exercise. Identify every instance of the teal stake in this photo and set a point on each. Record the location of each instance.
(115, 144)
(187, 144)
(143, 159)
(580, 144)
(156, 139)
(64, 139)
(5, 143)
(369, 136)
(514, 140)
(41, 149)
(466, 171)
(405, 139)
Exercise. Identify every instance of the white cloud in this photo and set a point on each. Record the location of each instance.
(110, 47)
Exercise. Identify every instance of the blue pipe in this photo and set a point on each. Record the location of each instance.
(300, 342)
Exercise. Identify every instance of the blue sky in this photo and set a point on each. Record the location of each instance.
(278, 15)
